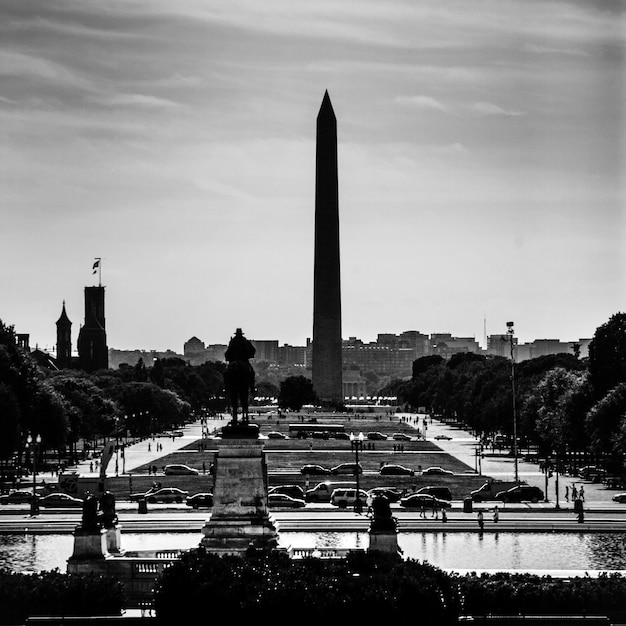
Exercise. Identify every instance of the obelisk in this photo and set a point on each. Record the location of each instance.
(326, 356)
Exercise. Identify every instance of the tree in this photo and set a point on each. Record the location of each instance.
(295, 392)
(605, 419)
(607, 355)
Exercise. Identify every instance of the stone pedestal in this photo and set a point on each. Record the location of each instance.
(383, 541)
(90, 546)
(240, 519)
(113, 536)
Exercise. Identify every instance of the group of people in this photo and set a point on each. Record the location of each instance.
(577, 494)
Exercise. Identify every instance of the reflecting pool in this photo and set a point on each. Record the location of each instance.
(463, 551)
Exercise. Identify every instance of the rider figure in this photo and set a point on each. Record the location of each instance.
(241, 349)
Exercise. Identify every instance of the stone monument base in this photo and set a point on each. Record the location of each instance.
(240, 519)
(114, 539)
(383, 541)
(89, 546)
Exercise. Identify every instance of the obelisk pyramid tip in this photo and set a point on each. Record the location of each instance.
(326, 106)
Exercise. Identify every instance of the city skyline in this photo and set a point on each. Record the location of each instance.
(480, 150)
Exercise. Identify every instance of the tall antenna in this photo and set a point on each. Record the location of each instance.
(485, 330)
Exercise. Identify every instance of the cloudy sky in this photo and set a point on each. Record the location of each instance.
(481, 165)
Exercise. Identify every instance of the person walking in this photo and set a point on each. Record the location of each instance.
(496, 515)
(481, 521)
(435, 508)
(444, 516)
(566, 493)
(581, 493)
(574, 492)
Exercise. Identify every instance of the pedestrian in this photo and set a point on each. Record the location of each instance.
(422, 510)
(444, 517)
(574, 492)
(481, 520)
(91, 466)
(435, 508)
(566, 493)
(496, 515)
(581, 493)
(148, 446)
(203, 467)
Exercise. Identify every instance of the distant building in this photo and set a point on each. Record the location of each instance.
(266, 350)
(93, 353)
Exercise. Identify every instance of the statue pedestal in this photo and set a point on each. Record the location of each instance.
(89, 546)
(113, 536)
(384, 541)
(240, 519)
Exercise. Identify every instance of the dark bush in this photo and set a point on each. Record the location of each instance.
(56, 593)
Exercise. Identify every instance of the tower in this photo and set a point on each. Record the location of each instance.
(64, 340)
(93, 352)
(326, 356)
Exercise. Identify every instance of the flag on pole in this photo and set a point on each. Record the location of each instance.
(96, 265)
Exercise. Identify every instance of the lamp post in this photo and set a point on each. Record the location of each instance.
(34, 505)
(356, 443)
(510, 331)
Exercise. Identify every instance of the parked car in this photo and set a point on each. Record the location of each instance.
(60, 501)
(180, 470)
(401, 437)
(443, 437)
(274, 434)
(295, 491)
(347, 468)
(282, 500)
(439, 491)
(376, 436)
(17, 497)
(344, 498)
(619, 497)
(322, 491)
(167, 495)
(392, 469)
(437, 470)
(341, 436)
(423, 501)
(391, 493)
(520, 493)
(487, 491)
(313, 469)
(198, 500)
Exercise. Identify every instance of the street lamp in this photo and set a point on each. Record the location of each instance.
(117, 445)
(34, 505)
(356, 443)
(510, 331)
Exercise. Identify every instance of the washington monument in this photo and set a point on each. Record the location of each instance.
(327, 378)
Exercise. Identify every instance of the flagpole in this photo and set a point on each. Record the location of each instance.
(100, 273)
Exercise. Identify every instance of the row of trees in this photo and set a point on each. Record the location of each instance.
(69, 406)
(562, 403)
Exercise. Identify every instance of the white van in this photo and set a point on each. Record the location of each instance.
(322, 491)
(343, 498)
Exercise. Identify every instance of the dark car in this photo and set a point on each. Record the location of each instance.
(167, 494)
(60, 501)
(401, 437)
(391, 493)
(17, 497)
(295, 491)
(198, 500)
(520, 493)
(443, 493)
(423, 501)
(376, 436)
(619, 497)
(443, 437)
(392, 469)
(282, 500)
(275, 434)
(437, 470)
(347, 468)
(176, 469)
(314, 470)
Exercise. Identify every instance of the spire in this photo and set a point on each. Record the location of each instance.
(64, 319)
(326, 109)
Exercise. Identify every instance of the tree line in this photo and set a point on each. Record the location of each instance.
(563, 404)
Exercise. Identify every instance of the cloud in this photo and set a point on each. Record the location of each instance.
(488, 108)
(134, 100)
(422, 102)
(23, 65)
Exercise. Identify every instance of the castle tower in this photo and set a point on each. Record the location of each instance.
(93, 353)
(64, 340)
(326, 355)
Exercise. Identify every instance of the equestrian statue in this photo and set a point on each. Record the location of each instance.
(239, 375)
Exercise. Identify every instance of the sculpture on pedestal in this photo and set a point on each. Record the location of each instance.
(89, 520)
(239, 375)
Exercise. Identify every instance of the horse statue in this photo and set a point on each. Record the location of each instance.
(239, 375)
